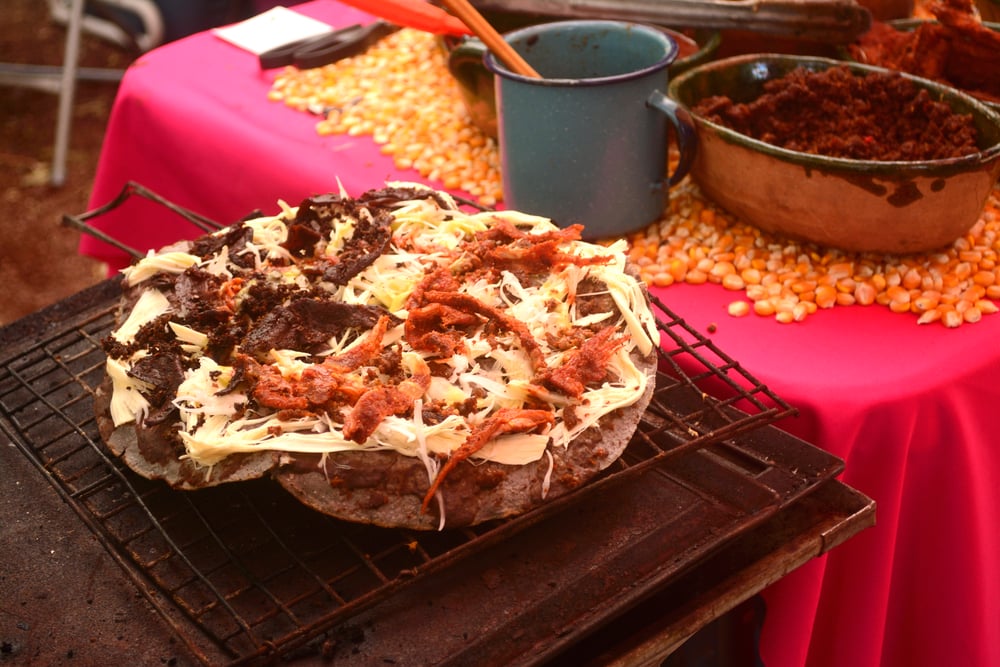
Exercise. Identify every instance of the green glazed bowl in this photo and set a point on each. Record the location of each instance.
(465, 62)
(854, 205)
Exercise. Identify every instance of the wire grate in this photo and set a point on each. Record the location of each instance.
(244, 573)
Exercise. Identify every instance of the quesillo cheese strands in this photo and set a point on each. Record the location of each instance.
(394, 322)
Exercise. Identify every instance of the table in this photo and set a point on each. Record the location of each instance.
(908, 407)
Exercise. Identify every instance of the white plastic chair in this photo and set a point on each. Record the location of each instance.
(146, 12)
(61, 80)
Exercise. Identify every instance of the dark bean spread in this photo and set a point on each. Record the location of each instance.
(835, 113)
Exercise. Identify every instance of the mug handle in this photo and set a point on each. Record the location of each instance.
(687, 140)
(465, 62)
(464, 58)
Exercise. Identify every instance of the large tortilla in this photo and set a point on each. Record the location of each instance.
(154, 452)
(380, 487)
(387, 490)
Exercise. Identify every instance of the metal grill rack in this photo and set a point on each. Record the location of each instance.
(245, 574)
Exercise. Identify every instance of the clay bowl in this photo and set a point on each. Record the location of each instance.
(465, 62)
(855, 205)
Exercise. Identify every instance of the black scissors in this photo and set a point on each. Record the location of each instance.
(328, 48)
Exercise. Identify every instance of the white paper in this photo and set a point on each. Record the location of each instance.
(269, 30)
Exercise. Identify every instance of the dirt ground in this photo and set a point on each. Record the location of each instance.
(38, 260)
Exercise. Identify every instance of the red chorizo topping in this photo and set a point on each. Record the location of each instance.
(332, 383)
(504, 231)
(327, 382)
(469, 303)
(365, 352)
(380, 402)
(505, 420)
(229, 291)
(437, 311)
(505, 246)
(270, 388)
(317, 387)
(433, 329)
(587, 364)
(438, 279)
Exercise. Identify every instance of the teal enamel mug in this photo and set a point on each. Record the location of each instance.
(587, 142)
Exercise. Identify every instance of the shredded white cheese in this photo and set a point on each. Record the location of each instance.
(151, 304)
(494, 367)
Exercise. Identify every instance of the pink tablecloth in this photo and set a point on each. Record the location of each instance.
(909, 408)
(193, 123)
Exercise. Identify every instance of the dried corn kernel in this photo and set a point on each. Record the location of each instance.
(738, 308)
(798, 279)
(932, 315)
(696, 277)
(845, 299)
(952, 319)
(987, 307)
(733, 282)
(401, 95)
(865, 294)
(764, 308)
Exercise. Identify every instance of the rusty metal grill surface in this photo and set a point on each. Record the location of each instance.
(243, 573)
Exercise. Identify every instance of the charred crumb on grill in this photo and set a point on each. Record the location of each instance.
(570, 417)
(369, 240)
(390, 196)
(593, 297)
(261, 297)
(308, 324)
(235, 238)
(196, 297)
(162, 372)
(302, 241)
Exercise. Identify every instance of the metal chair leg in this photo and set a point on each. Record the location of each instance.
(67, 93)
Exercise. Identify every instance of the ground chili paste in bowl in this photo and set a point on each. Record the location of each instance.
(880, 116)
(841, 154)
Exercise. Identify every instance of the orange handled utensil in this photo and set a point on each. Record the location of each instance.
(413, 14)
(490, 37)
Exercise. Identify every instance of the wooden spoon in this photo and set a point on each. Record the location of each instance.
(481, 28)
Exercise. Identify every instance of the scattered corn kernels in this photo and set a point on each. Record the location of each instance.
(401, 94)
(789, 281)
(738, 308)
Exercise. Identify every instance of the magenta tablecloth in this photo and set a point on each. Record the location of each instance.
(908, 407)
